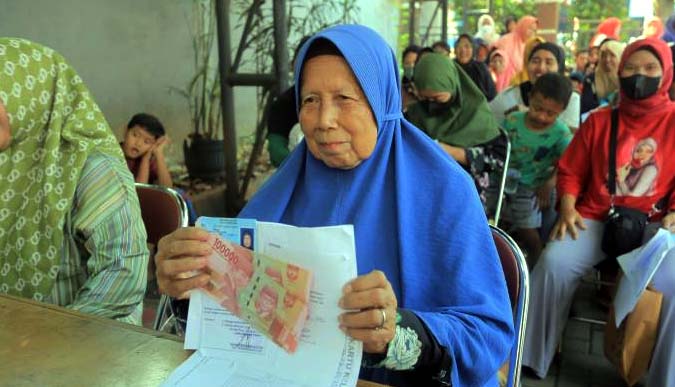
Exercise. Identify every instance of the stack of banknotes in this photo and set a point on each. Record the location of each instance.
(272, 295)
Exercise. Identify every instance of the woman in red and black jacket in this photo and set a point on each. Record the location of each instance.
(645, 174)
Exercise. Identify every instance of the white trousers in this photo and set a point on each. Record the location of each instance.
(553, 283)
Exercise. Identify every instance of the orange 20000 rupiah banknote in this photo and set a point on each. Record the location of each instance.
(272, 295)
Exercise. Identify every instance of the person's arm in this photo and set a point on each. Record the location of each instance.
(487, 157)
(413, 347)
(643, 185)
(668, 222)
(573, 167)
(457, 153)
(163, 175)
(571, 115)
(498, 105)
(112, 241)
(490, 88)
(473, 320)
(568, 219)
(459, 294)
(544, 192)
(143, 174)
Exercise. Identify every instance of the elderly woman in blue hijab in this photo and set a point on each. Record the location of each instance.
(424, 251)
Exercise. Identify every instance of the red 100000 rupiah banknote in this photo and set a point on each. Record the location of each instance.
(272, 295)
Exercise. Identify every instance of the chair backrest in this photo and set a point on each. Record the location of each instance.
(502, 178)
(517, 281)
(163, 210)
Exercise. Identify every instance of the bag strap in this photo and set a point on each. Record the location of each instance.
(611, 180)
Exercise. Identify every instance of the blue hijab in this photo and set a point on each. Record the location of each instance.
(669, 30)
(416, 216)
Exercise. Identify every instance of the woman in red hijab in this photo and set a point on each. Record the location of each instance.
(610, 27)
(646, 125)
(513, 43)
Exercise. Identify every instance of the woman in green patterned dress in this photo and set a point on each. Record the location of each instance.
(71, 233)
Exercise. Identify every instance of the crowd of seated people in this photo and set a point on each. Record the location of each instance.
(388, 151)
(557, 121)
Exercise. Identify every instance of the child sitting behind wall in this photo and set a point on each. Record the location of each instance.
(143, 147)
(538, 139)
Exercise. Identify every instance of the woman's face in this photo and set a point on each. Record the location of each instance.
(482, 53)
(593, 54)
(542, 62)
(642, 62)
(409, 59)
(642, 155)
(5, 133)
(609, 61)
(464, 51)
(335, 116)
(497, 63)
(247, 240)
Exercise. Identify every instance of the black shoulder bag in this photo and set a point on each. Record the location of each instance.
(624, 226)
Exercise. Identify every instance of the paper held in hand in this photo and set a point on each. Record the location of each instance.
(231, 352)
(272, 295)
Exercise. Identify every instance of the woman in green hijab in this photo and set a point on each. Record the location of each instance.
(453, 111)
(71, 231)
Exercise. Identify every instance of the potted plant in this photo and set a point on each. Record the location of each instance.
(203, 150)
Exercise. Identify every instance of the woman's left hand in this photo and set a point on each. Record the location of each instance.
(371, 311)
(668, 222)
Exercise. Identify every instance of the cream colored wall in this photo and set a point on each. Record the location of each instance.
(129, 52)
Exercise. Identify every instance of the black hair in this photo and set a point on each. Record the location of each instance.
(467, 37)
(301, 43)
(411, 48)
(441, 44)
(553, 86)
(507, 21)
(147, 122)
(554, 49)
(322, 46)
(423, 51)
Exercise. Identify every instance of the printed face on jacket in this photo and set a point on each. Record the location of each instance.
(637, 175)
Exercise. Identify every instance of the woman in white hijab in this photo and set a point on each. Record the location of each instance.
(486, 29)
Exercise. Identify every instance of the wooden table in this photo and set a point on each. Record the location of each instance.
(46, 345)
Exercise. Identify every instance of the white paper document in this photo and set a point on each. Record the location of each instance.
(231, 353)
(638, 267)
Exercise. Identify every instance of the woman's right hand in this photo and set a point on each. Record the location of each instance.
(181, 260)
(568, 221)
(622, 173)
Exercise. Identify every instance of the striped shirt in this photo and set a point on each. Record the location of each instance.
(104, 257)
